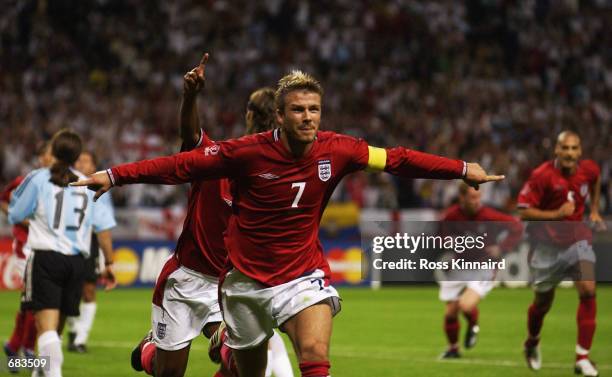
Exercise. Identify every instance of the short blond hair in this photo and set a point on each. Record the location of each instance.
(295, 80)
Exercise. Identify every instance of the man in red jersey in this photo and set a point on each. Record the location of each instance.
(278, 275)
(557, 191)
(24, 332)
(185, 297)
(464, 295)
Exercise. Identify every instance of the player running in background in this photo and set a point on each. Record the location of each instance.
(60, 222)
(463, 296)
(24, 332)
(79, 327)
(183, 307)
(557, 191)
(284, 178)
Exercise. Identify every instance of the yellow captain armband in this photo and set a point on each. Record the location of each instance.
(377, 159)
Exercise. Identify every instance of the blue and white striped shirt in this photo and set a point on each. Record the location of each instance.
(61, 218)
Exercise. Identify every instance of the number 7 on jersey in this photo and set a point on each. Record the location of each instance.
(300, 186)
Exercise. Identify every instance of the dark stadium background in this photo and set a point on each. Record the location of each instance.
(492, 81)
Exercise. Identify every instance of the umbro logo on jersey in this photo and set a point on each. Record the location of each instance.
(324, 170)
(212, 150)
(268, 176)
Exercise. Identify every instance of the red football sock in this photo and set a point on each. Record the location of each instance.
(227, 360)
(14, 342)
(472, 317)
(315, 368)
(28, 340)
(147, 355)
(535, 320)
(451, 328)
(222, 372)
(585, 317)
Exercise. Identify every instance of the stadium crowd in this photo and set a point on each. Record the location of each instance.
(481, 80)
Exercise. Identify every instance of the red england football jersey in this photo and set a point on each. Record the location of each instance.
(20, 232)
(547, 189)
(200, 246)
(492, 222)
(279, 199)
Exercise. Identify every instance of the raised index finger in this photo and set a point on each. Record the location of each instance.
(494, 178)
(82, 182)
(203, 60)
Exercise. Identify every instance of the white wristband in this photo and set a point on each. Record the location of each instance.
(110, 175)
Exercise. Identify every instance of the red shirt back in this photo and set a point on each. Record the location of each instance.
(547, 189)
(487, 220)
(200, 246)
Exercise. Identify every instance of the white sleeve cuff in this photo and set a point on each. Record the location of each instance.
(110, 175)
(464, 173)
(200, 139)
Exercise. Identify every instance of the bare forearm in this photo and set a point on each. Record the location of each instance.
(189, 120)
(539, 214)
(4, 207)
(105, 240)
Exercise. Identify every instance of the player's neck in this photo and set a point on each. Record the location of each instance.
(566, 171)
(468, 213)
(296, 148)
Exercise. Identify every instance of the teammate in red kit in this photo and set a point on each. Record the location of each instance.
(24, 332)
(557, 191)
(185, 297)
(464, 295)
(279, 276)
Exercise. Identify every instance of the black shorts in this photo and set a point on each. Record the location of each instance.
(53, 281)
(92, 263)
(91, 270)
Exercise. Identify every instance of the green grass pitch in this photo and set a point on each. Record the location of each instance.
(385, 333)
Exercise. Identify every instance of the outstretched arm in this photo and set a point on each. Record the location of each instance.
(193, 82)
(536, 214)
(211, 163)
(413, 164)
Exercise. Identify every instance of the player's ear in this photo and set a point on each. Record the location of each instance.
(279, 116)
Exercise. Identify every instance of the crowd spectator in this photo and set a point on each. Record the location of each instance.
(492, 81)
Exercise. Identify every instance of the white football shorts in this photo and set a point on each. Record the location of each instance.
(550, 264)
(184, 301)
(451, 290)
(251, 311)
